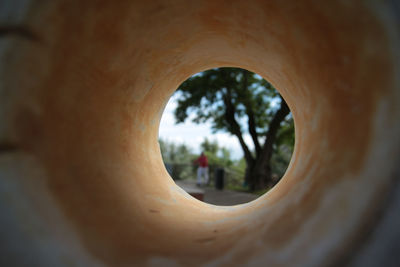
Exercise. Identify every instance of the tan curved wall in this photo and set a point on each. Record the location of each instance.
(82, 179)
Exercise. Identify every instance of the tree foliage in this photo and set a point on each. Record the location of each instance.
(206, 94)
(216, 154)
(175, 153)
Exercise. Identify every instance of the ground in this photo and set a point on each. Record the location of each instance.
(216, 197)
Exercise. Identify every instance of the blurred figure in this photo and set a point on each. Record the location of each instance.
(202, 170)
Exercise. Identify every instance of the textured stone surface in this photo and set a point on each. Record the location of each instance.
(82, 88)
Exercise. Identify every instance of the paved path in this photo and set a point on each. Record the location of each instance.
(216, 197)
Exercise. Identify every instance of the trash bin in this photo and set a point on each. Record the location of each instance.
(219, 178)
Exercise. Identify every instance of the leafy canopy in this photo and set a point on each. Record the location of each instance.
(204, 95)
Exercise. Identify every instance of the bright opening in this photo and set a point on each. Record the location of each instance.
(226, 136)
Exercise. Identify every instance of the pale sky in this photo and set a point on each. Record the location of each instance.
(193, 134)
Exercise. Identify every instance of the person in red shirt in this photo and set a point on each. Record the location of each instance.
(202, 170)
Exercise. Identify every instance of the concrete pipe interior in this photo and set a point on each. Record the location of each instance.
(82, 179)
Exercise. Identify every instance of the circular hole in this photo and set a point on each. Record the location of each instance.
(226, 136)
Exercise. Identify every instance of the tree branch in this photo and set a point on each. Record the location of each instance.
(250, 115)
(273, 128)
(235, 128)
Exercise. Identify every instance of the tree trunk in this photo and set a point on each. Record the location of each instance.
(235, 127)
(258, 174)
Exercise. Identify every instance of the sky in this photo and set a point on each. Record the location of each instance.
(193, 134)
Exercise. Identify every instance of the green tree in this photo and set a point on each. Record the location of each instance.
(177, 158)
(238, 101)
(175, 153)
(210, 147)
(217, 155)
